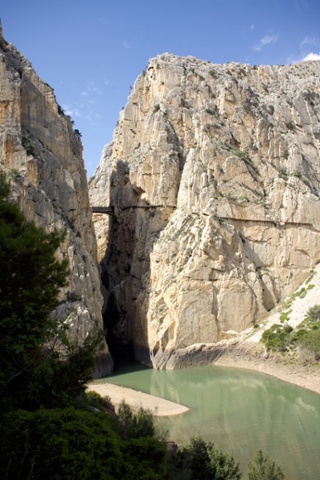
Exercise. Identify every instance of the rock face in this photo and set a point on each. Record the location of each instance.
(42, 155)
(213, 177)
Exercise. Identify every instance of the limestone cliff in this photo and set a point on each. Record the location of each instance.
(42, 154)
(213, 177)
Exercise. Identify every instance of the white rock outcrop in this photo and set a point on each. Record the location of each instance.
(213, 178)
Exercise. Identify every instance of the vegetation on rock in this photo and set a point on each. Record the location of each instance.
(304, 339)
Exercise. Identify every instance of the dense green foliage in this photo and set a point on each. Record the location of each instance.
(130, 425)
(202, 461)
(262, 468)
(305, 338)
(64, 444)
(277, 337)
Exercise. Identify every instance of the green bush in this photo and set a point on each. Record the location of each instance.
(290, 125)
(306, 337)
(262, 468)
(271, 109)
(202, 461)
(130, 425)
(314, 313)
(311, 342)
(147, 458)
(59, 444)
(277, 337)
(27, 143)
(93, 399)
(297, 335)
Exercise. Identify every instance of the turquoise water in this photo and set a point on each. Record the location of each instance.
(240, 411)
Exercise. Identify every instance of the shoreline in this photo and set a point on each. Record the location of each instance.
(159, 407)
(242, 355)
(304, 376)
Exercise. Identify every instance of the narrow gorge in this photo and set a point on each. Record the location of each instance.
(203, 213)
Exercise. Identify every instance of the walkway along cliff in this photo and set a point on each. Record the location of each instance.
(212, 186)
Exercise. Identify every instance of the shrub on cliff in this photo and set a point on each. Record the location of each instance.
(310, 344)
(277, 337)
(314, 313)
(305, 338)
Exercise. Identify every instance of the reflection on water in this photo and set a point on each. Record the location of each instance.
(240, 411)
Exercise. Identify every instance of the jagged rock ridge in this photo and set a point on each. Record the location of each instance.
(42, 154)
(213, 176)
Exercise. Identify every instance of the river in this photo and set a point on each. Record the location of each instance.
(240, 411)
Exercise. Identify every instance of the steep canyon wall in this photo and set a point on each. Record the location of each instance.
(42, 154)
(213, 182)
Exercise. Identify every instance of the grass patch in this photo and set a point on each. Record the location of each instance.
(284, 317)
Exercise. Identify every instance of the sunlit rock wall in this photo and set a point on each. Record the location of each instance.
(213, 176)
(42, 155)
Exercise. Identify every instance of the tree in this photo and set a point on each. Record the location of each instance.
(263, 468)
(130, 425)
(33, 370)
(202, 461)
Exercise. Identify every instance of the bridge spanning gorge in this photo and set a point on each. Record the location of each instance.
(110, 210)
(103, 210)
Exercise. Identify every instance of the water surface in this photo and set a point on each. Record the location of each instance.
(240, 411)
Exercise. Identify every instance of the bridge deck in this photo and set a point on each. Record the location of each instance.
(105, 210)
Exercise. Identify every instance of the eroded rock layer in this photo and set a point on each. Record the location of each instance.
(42, 155)
(213, 183)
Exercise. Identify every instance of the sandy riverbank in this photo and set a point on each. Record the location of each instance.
(135, 399)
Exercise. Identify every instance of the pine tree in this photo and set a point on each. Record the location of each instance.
(263, 468)
(32, 371)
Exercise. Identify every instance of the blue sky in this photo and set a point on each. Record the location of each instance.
(91, 51)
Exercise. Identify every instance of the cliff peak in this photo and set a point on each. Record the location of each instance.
(42, 155)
